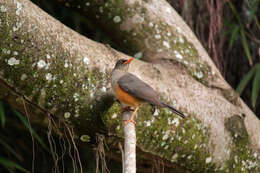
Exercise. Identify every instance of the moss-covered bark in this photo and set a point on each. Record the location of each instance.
(72, 84)
(142, 34)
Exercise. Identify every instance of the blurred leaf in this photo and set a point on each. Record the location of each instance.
(233, 36)
(10, 149)
(242, 84)
(11, 164)
(2, 114)
(245, 45)
(242, 32)
(256, 86)
(253, 9)
(34, 134)
(231, 5)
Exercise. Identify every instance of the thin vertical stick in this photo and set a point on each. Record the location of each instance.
(130, 145)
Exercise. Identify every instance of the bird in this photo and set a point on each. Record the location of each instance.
(131, 91)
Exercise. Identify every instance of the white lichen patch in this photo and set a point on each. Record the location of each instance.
(181, 40)
(178, 55)
(175, 156)
(23, 77)
(18, 6)
(91, 94)
(76, 97)
(15, 53)
(199, 74)
(104, 89)
(179, 30)
(48, 76)
(66, 65)
(86, 60)
(157, 36)
(84, 86)
(166, 44)
(85, 138)
(208, 160)
(156, 112)
(66, 115)
(175, 121)
(47, 66)
(148, 123)
(168, 10)
(166, 135)
(3, 9)
(13, 61)
(117, 19)
(187, 51)
(17, 26)
(41, 64)
(114, 116)
(163, 143)
(138, 55)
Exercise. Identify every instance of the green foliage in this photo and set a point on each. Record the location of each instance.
(10, 165)
(256, 87)
(241, 28)
(2, 114)
(28, 126)
(11, 157)
(254, 72)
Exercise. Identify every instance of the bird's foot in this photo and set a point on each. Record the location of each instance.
(129, 121)
(127, 109)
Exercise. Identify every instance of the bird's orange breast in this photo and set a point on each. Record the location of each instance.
(126, 98)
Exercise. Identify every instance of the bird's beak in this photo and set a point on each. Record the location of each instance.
(129, 60)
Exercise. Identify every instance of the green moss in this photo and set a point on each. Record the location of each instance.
(236, 126)
(52, 78)
(242, 158)
(161, 132)
(231, 96)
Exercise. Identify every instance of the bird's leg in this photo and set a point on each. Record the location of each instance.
(132, 117)
(126, 109)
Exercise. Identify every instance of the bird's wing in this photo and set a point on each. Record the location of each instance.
(137, 88)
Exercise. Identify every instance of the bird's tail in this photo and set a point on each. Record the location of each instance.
(173, 110)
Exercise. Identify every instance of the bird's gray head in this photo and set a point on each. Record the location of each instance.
(123, 64)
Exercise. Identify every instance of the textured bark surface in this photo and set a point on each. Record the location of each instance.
(154, 31)
(64, 73)
(130, 145)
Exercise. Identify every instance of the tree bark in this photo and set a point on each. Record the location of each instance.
(59, 71)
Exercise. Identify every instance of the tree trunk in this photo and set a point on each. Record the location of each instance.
(56, 70)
